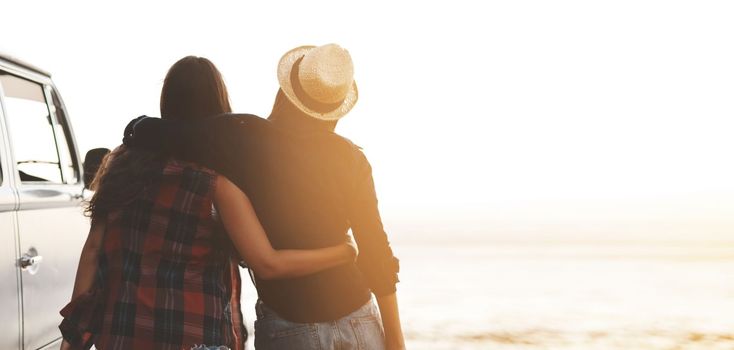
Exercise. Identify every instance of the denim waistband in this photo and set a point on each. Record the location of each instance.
(369, 308)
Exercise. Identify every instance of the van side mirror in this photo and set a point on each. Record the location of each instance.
(92, 161)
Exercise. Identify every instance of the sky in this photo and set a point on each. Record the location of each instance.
(479, 117)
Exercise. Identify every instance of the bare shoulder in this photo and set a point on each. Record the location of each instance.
(223, 183)
(225, 188)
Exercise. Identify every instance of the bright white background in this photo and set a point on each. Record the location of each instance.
(607, 119)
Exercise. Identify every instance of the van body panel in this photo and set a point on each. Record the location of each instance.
(10, 292)
(9, 272)
(37, 219)
(57, 233)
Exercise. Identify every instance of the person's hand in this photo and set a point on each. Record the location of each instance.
(65, 345)
(128, 136)
(353, 248)
(146, 132)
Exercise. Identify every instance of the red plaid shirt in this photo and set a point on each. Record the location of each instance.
(168, 277)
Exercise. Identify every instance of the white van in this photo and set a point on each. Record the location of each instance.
(42, 226)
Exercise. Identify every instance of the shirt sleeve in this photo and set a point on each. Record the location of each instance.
(376, 259)
(211, 142)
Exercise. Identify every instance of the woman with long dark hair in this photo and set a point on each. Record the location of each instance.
(159, 269)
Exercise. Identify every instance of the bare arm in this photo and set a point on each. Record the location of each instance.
(87, 268)
(250, 240)
(391, 322)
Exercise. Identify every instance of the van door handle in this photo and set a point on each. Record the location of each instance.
(27, 261)
(30, 260)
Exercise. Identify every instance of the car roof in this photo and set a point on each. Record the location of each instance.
(17, 62)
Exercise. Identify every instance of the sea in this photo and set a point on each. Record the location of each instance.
(563, 295)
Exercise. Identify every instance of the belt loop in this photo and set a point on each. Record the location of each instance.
(258, 309)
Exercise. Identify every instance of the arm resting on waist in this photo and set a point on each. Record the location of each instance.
(250, 240)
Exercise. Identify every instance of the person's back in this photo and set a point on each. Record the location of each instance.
(326, 183)
(169, 271)
(306, 192)
(157, 272)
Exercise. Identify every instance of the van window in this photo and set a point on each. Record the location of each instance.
(66, 152)
(1, 141)
(31, 129)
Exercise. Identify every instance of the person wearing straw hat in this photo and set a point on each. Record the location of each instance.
(309, 187)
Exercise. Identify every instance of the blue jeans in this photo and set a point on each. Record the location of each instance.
(362, 329)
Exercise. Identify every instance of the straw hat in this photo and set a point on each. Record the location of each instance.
(319, 80)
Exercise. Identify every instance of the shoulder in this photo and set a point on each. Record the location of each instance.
(353, 154)
(244, 117)
(356, 151)
(225, 121)
(238, 119)
(232, 127)
(343, 144)
(176, 167)
(349, 143)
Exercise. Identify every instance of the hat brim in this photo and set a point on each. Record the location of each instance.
(285, 67)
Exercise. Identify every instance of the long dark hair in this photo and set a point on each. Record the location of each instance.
(193, 88)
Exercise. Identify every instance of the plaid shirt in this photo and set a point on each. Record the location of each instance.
(167, 277)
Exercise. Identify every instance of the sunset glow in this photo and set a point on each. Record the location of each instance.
(558, 125)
